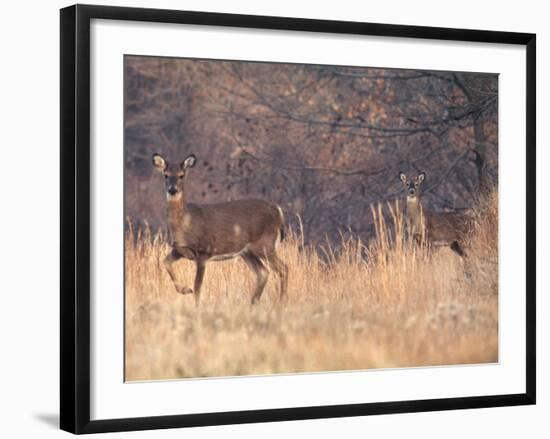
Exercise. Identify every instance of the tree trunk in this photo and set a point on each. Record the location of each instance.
(480, 149)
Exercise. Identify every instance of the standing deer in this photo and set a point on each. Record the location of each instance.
(214, 232)
(437, 228)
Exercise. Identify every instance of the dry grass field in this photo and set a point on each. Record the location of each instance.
(381, 304)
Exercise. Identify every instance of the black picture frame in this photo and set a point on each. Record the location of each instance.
(75, 217)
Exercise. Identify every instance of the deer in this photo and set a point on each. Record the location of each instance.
(436, 228)
(246, 228)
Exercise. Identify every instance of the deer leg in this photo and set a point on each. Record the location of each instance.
(282, 270)
(169, 260)
(201, 265)
(257, 266)
(457, 248)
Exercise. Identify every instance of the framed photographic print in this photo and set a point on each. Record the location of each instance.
(267, 218)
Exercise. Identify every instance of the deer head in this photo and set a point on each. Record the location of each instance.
(174, 174)
(413, 186)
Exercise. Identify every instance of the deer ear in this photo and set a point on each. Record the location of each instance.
(421, 176)
(159, 162)
(402, 177)
(189, 162)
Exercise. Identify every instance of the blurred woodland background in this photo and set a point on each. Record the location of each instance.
(324, 142)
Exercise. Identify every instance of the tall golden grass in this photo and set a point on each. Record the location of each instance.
(383, 304)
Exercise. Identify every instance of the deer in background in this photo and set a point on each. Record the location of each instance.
(214, 232)
(437, 228)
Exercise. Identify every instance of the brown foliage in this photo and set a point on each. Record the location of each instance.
(324, 142)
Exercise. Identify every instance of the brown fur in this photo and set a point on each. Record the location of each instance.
(247, 228)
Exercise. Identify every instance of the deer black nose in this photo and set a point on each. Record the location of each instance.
(411, 191)
(172, 190)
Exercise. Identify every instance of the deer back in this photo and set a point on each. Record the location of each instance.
(227, 228)
(448, 226)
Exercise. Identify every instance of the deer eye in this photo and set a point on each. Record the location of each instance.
(180, 176)
(165, 176)
(416, 185)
